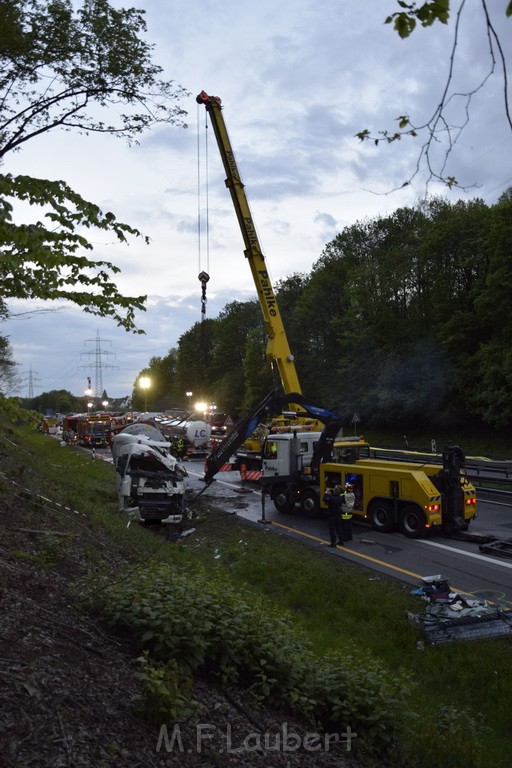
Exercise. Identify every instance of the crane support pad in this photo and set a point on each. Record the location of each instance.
(498, 547)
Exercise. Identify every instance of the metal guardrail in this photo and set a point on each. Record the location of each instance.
(478, 470)
(493, 493)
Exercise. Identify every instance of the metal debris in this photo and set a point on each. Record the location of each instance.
(451, 616)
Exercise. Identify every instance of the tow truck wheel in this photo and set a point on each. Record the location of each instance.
(412, 522)
(281, 499)
(309, 503)
(380, 516)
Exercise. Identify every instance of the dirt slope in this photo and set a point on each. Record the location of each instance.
(67, 682)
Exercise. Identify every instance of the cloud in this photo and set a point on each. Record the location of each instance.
(297, 81)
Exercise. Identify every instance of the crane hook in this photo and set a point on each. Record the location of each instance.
(203, 277)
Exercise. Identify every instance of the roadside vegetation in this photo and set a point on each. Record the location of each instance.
(403, 319)
(292, 627)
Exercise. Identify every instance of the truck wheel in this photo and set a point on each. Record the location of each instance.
(282, 500)
(309, 503)
(380, 515)
(412, 522)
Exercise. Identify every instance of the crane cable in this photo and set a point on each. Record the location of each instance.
(203, 274)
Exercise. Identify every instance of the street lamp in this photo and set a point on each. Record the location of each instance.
(104, 404)
(202, 407)
(89, 406)
(144, 384)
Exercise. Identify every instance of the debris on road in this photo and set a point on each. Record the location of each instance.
(451, 616)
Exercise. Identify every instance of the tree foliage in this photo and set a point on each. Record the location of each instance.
(58, 401)
(65, 68)
(163, 392)
(441, 129)
(7, 366)
(83, 68)
(404, 318)
(46, 261)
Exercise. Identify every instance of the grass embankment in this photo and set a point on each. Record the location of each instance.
(301, 629)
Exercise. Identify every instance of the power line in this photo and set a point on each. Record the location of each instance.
(99, 365)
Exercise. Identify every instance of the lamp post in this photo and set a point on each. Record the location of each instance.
(202, 408)
(104, 404)
(89, 407)
(144, 384)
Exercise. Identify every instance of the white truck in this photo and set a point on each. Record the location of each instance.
(290, 467)
(151, 483)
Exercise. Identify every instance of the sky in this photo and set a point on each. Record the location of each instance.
(298, 79)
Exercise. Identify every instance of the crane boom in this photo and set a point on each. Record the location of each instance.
(278, 348)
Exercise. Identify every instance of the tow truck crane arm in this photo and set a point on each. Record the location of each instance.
(270, 405)
(278, 349)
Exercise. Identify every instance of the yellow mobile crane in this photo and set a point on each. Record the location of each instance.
(298, 466)
(278, 348)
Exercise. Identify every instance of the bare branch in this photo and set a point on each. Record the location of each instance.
(438, 130)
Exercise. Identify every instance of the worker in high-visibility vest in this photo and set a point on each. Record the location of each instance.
(347, 510)
(180, 447)
(332, 498)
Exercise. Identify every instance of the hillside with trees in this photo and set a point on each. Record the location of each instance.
(403, 318)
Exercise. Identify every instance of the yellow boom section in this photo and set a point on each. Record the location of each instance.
(278, 349)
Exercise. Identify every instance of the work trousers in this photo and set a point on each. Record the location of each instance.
(335, 530)
(346, 527)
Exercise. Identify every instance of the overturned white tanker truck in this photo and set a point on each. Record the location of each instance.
(151, 482)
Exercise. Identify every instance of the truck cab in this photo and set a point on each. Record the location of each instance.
(288, 453)
(151, 484)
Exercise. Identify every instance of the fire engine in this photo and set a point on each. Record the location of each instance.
(91, 430)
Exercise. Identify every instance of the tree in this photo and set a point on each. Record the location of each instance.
(7, 367)
(257, 371)
(440, 129)
(506, 196)
(45, 262)
(232, 328)
(65, 68)
(194, 360)
(57, 63)
(163, 392)
(57, 400)
(489, 394)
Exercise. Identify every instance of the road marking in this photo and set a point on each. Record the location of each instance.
(375, 560)
(352, 551)
(463, 552)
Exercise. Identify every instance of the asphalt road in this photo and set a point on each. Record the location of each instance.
(468, 570)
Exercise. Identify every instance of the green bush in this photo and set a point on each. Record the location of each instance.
(205, 624)
(356, 691)
(166, 692)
